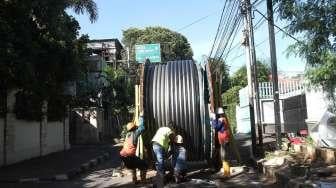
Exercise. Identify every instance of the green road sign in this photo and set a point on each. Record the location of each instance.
(148, 51)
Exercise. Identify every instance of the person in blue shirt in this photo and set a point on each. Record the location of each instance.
(221, 125)
(179, 159)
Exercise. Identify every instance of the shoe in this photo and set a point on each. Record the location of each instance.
(159, 180)
(134, 177)
(143, 176)
(177, 179)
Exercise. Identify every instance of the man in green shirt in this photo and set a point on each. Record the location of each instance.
(161, 142)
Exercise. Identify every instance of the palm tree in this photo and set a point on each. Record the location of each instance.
(84, 6)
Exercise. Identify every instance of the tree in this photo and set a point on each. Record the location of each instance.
(220, 68)
(40, 48)
(120, 92)
(173, 45)
(315, 21)
(239, 78)
(81, 6)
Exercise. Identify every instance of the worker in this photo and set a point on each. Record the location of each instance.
(128, 152)
(221, 126)
(161, 142)
(179, 159)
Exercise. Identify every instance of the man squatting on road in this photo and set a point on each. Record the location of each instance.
(179, 159)
(161, 141)
(127, 153)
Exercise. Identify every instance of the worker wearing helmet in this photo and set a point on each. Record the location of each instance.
(221, 126)
(128, 151)
(161, 141)
(179, 159)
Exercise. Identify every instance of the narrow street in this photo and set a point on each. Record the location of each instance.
(215, 93)
(102, 177)
(108, 174)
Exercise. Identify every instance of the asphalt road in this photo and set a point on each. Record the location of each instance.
(102, 177)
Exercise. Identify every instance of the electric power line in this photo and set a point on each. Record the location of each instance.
(230, 26)
(255, 46)
(232, 30)
(256, 3)
(230, 47)
(291, 36)
(224, 29)
(194, 22)
(218, 29)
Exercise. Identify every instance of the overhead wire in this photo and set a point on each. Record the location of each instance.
(255, 46)
(291, 36)
(235, 34)
(232, 30)
(260, 22)
(218, 29)
(194, 22)
(224, 26)
(222, 47)
(232, 16)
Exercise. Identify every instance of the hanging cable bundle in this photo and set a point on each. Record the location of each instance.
(174, 92)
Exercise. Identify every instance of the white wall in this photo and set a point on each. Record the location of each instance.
(29, 139)
(267, 111)
(54, 138)
(25, 140)
(317, 104)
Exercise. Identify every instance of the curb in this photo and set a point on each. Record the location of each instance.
(284, 181)
(70, 174)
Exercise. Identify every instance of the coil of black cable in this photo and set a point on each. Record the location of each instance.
(173, 92)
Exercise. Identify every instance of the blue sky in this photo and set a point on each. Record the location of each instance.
(118, 15)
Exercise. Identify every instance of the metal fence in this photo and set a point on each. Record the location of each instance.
(286, 89)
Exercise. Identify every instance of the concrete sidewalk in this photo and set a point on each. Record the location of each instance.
(58, 166)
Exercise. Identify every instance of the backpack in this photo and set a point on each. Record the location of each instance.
(224, 137)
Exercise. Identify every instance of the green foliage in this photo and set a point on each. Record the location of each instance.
(231, 99)
(231, 114)
(315, 21)
(231, 95)
(219, 68)
(120, 92)
(239, 78)
(173, 45)
(238, 81)
(309, 141)
(40, 49)
(27, 106)
(81, 6)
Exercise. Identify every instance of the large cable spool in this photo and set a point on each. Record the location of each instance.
(175, 92)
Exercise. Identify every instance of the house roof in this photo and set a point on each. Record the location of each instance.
(116, 41)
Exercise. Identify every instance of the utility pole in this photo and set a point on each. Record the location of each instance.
(252, 57)
(277, 120)
(246, 43)
(128, 56)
